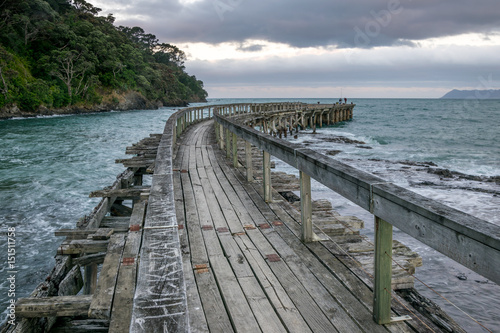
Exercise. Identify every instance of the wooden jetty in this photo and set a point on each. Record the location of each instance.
(211, 246)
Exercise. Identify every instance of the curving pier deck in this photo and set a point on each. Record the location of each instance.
(210, 246)
(246, 269)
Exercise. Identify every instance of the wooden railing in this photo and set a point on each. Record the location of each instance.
(468, 240)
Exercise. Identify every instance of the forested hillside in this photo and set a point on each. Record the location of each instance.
(60, 54)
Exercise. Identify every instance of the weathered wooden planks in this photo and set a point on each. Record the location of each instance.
(160, 296)
(103, 296)
(225, 199)
(121, 313)
(343, 270)
(238, 302)
(215, 315)
(197, 319)
(159, 299)
(310, 308)
(81, 326)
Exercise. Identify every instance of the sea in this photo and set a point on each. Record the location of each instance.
(49, 165)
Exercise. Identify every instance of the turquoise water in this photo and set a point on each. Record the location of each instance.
(456, 134)
(48, 166)
(447, 132)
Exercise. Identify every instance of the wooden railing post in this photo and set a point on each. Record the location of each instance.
(248, 161)
(266, 176)
(383, 272)
(306, 207)
(221, 140)
(217, 134)
(235, 150)
(228, 143)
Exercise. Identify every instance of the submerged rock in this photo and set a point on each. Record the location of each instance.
(289, 196)
(441, 172)
(341, 139)
(333, 152)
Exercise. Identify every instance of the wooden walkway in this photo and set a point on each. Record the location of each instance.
(201, 250)
(245, 268)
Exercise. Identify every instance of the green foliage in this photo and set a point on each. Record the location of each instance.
(55, 53)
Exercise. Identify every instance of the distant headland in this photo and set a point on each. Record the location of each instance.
(476, 94)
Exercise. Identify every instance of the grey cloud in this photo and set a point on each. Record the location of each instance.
(251, 48)
(362, 24)
(324, 71)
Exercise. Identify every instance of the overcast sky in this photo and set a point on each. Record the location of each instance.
(318, 48)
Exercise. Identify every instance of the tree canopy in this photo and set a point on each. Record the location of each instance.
(57, 53)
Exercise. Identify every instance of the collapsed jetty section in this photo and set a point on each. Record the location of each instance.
(211, 245)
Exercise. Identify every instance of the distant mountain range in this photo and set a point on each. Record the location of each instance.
(475, 94)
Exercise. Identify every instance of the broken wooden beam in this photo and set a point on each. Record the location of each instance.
(71, 234)
(79, 246)
(151, 169)
(119, 210)
(133, 192)
(57, 306)
(135, 162)
(142, 152)
(96, 258)
(101, 234)
(72, 282)
(118, 223)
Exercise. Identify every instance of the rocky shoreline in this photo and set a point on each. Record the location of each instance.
(114, 102)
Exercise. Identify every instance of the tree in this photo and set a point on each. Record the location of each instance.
(169, 54)
(85, 7)
(5, 14)
(62, 52)
(5, 89)
(28, 28)
(5, 57)
(72, 69)
(147, 42)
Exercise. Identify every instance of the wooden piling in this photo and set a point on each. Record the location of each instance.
(306, 207)
(383, 272)
(266, 165)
